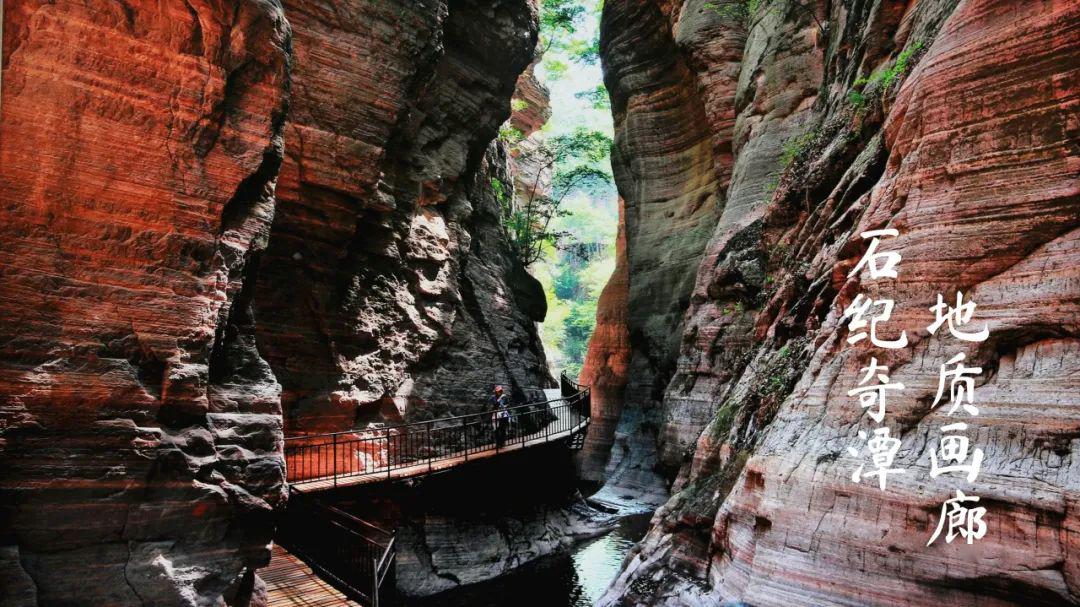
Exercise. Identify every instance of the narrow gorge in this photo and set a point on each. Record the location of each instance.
(263, 264)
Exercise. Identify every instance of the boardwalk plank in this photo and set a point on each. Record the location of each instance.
(291, 583)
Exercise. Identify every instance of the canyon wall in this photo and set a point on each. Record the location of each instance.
(388, 281)
(166, 318)
(669, 169)
(141, 428)
(619, 453)
(951, 122)
(607, 362)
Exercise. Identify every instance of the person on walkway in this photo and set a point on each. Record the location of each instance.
(501, 420)
(497, 398)
(500, 416)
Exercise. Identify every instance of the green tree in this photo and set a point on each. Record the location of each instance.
(598, 97)
(558, 21)
(572, 161)
(578, 328)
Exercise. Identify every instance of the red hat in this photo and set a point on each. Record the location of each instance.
(498, 388)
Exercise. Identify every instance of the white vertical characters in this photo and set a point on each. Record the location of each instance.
(962, 520)
(888, 259)
(961, 385)
(858, 308)
(872, 396)
(883, 449)
(954, 448)
(957, 317)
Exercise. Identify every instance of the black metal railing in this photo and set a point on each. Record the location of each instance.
(352, 554)
(381, 451)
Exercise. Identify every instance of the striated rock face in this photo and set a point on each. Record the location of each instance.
(141, 429)
(388, 287)
(532, 104)
(160, 307)
(663, 163)
(620, 449)
(606, 364)
(970, 152)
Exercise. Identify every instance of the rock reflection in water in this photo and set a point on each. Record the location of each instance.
(574, 579)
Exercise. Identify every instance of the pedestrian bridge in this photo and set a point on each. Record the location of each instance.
(357, 557)
(339, 459)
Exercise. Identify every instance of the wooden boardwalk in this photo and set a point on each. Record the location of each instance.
(291, 583)
(566, 419)
(339, 543)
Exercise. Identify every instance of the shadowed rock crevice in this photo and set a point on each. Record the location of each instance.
(382, 206)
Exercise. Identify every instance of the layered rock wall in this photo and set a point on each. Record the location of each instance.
(668, 168)
(162, 308)
(607, 362)
(141, 430)
(388, 290)
(969, 149)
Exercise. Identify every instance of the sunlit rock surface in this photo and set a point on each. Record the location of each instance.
(606, 364)
(971, 154)
(619, 454)
(141, 429)
(666, 171)
(161, 308)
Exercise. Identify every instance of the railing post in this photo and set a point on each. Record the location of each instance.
(388, 453)
(430, 453)
(465, 437)
(375, 579)
(335, 460)
(547, 427)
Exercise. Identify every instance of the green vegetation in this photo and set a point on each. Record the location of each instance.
(889, 76)
(883, 79)
(856, 99)
(501, 192)
(598, 97)
(555, 69)
(510, 134)
(560, 22)
(724, 418)
(585, 51)
(741, 10)
(572, 161)
(794, 146)
(734, 308)
(566, 230)
(519, 105)
(558, 19)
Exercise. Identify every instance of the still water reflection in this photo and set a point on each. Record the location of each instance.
(574, 579)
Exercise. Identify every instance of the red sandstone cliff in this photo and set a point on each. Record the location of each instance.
(971, 153)
(161, 308)
(606, 364)
(619, 454)
(141, 428)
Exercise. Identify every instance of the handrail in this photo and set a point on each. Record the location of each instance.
(340, 545)
(300, 437)
(370, 452)
(333, 542)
